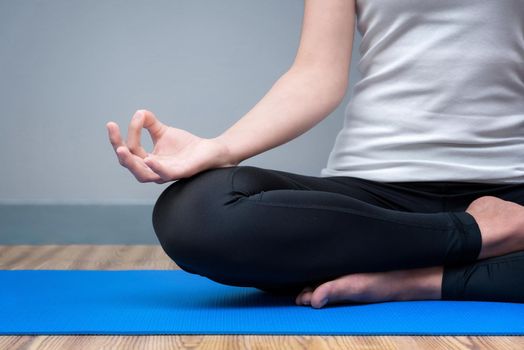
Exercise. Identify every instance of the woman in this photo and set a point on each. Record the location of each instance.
(423, 193)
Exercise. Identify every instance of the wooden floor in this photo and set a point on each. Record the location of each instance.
(115, 257)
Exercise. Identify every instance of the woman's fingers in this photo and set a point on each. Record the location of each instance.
(158, 168)
(116, 141)
(128, 160)
(137, 166)
(165, 172)
(114, 135)
(143, 119)
(153, 125)
(134, 134)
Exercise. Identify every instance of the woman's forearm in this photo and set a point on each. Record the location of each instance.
(298, 100)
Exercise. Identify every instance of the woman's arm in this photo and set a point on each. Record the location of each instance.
(312, 88)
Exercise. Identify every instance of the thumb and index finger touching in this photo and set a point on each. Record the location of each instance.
(131, 154)
(141, 119)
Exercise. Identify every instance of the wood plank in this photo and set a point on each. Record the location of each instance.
(258, 342)
(84, 257)
(139, 257)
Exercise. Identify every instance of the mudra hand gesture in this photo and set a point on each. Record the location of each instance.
(176, 153)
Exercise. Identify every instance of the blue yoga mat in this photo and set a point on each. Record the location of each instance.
(177, 302)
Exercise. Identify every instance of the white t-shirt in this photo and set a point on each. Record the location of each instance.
(441, 96)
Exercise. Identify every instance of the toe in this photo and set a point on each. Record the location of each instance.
(320, 297)
(306, 298)
(300, 299)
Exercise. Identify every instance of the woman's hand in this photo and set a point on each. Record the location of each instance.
(176, 152)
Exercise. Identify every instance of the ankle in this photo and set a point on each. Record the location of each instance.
(419, 284)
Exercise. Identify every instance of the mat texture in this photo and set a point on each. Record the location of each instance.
(176, 302)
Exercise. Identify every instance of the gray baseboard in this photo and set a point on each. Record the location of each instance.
(76, 224)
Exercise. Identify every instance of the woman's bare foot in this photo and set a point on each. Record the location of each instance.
(501, 224)
(413, 284)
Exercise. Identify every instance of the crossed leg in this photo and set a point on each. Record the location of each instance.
(274, 230)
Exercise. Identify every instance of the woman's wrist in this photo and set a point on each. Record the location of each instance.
(228, 158)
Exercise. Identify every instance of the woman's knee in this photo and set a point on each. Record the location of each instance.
(205, 224)
(187, 209)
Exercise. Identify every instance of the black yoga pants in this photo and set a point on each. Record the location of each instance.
(279, 231)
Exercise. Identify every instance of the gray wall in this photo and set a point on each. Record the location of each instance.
(67, 67)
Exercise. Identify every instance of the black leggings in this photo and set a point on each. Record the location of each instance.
(280, 231)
